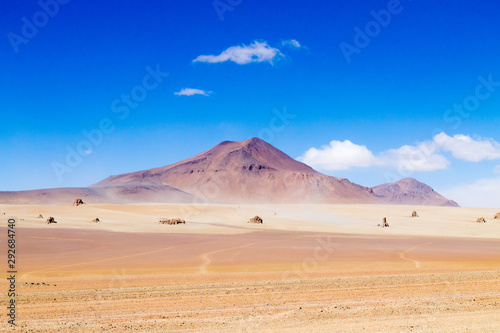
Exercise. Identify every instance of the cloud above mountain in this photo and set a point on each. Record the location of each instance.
(425, 156)
(339, 155)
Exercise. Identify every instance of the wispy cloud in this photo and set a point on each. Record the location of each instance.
(244, 54)
(422, 157)
(482, 193)
(191, 92)
(291, 43)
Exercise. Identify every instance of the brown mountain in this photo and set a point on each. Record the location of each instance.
(410, 191)
(250, 171)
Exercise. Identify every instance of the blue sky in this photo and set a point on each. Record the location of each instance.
(389, 90)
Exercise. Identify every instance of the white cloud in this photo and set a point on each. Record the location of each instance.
(291, 43)
(483, 193)
(464, 147)
(191, 92)
(497, 169)
(255, 52)
(339, 155)
(422, 157)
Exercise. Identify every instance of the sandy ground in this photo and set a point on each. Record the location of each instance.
(317, 268)
(230, 219)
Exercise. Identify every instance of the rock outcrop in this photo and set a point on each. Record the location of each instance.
(256, 219)
(78, 202)
(172, 221)
(384, 223)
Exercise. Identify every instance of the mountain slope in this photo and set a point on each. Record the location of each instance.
(409, 191)
(108, 194)
(250, 171)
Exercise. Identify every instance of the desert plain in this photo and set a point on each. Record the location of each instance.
(307, 268)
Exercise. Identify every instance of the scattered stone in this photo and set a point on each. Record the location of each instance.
(256, 219)
(96, 220)
(51, 220)
(497, 216)
(40, 216)
(384, 223)
(481, 220)
(33, 284)
(414, 214)
(78, 202)
(172, 221)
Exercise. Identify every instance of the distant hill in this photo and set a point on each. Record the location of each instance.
(111, 194)
(410, 191)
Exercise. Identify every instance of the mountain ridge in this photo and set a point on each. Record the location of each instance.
(248, 171)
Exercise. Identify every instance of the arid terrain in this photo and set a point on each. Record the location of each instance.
(318, 268)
